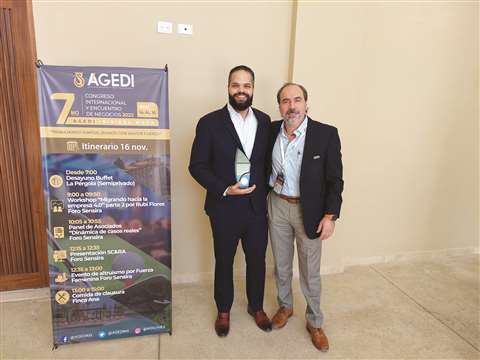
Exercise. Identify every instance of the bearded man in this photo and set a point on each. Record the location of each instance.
(236, 207)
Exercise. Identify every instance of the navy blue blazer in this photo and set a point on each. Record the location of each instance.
(212, 160)
(321, 173)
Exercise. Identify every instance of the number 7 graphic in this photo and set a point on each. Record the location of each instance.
(69, 99)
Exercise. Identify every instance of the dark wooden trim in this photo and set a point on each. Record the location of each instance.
(24, 208)
(21, 281)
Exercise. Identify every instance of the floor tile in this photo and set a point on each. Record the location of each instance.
(366, 318)
(448, 287)
(26, 333)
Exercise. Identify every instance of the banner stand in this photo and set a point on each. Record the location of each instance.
(105, 137)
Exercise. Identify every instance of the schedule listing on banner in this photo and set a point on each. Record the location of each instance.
(106, 174)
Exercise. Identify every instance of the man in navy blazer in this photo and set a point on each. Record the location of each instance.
(236, 211)
(306, 181)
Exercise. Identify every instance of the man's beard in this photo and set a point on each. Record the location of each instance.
(293, 120)
(240, 106)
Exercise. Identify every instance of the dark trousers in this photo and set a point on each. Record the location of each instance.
(238, 221)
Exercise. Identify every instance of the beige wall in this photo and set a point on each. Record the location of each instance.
(399, 81)
(225, 35)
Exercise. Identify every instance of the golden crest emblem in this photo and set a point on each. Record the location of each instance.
(78, 79)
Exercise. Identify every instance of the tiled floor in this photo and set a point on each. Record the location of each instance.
(418, 309)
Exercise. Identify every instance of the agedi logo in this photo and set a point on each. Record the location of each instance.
(104, 80)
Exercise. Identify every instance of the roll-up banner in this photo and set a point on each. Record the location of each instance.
(106, 174)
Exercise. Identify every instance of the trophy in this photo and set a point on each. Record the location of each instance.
(242, 169)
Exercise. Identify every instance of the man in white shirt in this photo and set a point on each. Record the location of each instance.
(237, 211)
(306, 181)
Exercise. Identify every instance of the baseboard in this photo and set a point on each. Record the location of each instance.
(192, 278)
(413, 255)
(239, 273)
(25, 294)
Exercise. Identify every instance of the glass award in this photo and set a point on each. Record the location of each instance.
(242, 169)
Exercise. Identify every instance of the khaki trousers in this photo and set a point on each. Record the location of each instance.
(285, 224)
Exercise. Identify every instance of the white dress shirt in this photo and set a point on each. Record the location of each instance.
(290, 163)
(246, 128)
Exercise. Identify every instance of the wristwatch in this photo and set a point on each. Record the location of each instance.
(333, 217)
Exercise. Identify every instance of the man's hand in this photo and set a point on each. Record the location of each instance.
(326, 227)
(236, 190)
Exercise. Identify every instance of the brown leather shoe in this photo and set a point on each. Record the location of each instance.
(319, 339)
(280, 319)
(222, 324)
(261, 319)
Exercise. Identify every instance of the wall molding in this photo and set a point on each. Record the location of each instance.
(239, 273)
(25, 294)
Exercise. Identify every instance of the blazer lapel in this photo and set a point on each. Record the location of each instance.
(231, 128)
(261, 128)
(276, 130)
(308, 147)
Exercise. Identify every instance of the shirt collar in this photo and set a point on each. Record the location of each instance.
(232, 111)
(298, 131)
